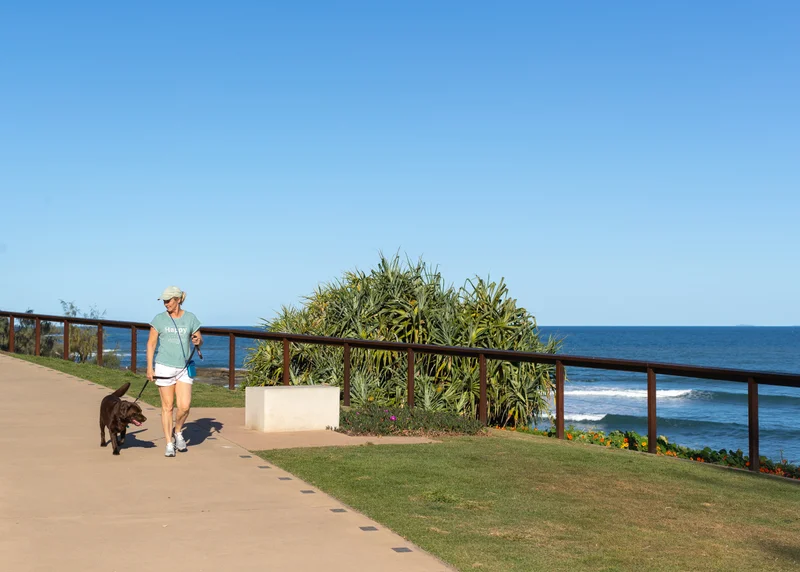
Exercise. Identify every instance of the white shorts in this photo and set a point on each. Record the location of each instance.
(172, 375)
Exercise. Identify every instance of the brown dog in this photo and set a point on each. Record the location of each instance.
(116, 414)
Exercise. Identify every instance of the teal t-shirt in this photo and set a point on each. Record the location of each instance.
(174, 346)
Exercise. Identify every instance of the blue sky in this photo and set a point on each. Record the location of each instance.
(616, 163)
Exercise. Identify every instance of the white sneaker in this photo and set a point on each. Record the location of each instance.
(170, 452)
(180, 442)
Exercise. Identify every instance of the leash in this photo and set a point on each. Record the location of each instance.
(146, 381)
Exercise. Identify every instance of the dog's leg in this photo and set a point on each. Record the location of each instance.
(103, 434)
(122, 436)
(114, 442)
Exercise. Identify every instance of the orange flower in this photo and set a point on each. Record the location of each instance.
(569, 436)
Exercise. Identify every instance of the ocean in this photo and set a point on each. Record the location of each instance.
(691, 412)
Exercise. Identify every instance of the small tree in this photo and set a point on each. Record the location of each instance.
(25, 336)
(83, 339)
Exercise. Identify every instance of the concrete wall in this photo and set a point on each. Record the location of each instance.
(292, 408)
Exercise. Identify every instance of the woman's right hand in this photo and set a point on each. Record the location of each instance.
(150, 373)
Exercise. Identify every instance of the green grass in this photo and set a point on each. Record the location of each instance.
(520, 502)
(203, 395)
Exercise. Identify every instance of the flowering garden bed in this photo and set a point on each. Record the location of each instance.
(380, 420)
(636, 442)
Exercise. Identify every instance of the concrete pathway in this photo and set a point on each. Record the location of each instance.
(67, 504)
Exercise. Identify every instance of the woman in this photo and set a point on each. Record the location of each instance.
(173, 332)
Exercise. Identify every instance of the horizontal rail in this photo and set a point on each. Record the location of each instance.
(679, 370)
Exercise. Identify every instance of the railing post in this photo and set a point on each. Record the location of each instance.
(100, 344)
(133, 349)
(231, 361)
(559, 399)
(410, 378)
(38, 338)
(752, 423)
(286, 359)
(482, 404)
(652, 430)
(346, 388)
(66, 339)
(11, 333)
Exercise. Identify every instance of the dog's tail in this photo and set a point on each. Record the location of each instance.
(122, 390)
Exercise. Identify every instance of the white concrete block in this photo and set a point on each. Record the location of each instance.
(280, 408)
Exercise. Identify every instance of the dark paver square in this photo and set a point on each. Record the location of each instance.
(307, 492)
(402, 549)
(264, 467)
(338, 510)
(368, 528)
(284, 478)
(246, 456)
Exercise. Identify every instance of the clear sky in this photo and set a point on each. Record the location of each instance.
(619, 163)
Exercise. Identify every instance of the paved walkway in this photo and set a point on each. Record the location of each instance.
(67, 504)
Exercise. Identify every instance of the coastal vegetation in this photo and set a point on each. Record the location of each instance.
(25, 336)
(513, 501)
(82, 338)
(410, 302)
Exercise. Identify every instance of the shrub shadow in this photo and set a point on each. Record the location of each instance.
(789, 553)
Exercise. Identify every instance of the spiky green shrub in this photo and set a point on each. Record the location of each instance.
(411, 303)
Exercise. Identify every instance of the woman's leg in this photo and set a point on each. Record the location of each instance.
(183, 393)
(167, 403)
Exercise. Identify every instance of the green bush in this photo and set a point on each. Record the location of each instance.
(82, 342)
(411, 303)
(381, 420)
(25, 336)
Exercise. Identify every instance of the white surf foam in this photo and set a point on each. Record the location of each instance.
(628, 393)
(583, 416)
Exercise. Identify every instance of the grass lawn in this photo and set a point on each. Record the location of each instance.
(520, 502)
(203, 395)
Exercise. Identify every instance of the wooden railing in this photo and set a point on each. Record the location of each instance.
(752, 378)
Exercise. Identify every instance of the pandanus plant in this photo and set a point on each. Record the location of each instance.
(411, 303)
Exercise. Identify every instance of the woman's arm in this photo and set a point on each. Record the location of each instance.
(197, 338)
(152, 341)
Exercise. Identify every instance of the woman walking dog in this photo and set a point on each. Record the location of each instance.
(173, 334)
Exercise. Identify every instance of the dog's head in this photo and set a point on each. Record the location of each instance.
(131, 413)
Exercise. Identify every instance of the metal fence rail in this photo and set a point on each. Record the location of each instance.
(752, 378)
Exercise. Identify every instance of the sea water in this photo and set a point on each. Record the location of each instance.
(690, 412)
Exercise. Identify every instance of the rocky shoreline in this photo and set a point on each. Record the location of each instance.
(218, 376)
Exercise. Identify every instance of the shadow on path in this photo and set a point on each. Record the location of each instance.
(198, 430)
(131, 441)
